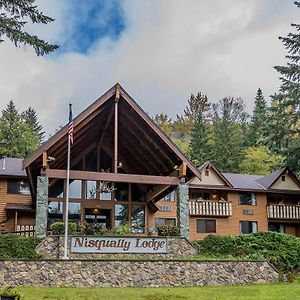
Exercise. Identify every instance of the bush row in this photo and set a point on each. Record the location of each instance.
(281, 250)
(16, 246)
(58, 228)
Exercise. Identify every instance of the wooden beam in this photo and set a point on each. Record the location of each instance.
(113, 177)
(84, 117)
(182, 170)
(45, 160)
(116, 129)
(29, 176)
(156, 191)
(100, 140)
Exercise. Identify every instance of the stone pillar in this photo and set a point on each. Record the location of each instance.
(183, 210)
(41, 215)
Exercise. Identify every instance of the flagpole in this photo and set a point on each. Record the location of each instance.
(65, 256)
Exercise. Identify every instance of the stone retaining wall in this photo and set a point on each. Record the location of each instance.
(96, 273)
(53, 248)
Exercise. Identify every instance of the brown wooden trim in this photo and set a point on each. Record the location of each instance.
(29, 176)
(159, 132)
(156, 191)
(116, 134)
(113, 177)
(88, 111)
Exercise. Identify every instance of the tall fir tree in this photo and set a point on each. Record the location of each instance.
(30, 118)
(229, 118)
(285, 110)
(14, 15)
(17, 139)
(257, 128)
(199, 147)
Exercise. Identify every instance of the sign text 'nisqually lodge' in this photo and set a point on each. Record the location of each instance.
(118, 245)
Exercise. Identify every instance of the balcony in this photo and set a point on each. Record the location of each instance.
(286, 212)
(210, 208)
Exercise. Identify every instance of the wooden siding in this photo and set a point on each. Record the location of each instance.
(230, 225)
(12, 198)
(162, 214)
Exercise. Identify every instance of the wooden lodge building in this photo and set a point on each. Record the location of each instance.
(125, 170)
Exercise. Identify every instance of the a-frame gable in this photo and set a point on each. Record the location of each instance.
(164, 152)
(210, 176)
(286, 181)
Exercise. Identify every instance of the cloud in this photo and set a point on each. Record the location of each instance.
(167, 50)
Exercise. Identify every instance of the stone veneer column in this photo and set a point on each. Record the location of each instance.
(41, 215)
(183, 210)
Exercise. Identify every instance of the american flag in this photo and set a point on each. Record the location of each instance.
(71, 125)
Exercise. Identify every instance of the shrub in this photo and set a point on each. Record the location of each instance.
(120, 230)
(93, 229)
(11, 292)
(16, 246)
(168, 230)
(58, 228)
(283, 251)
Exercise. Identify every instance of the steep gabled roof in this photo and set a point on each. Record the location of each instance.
(162, 154)
(210, 165)
(268, 180)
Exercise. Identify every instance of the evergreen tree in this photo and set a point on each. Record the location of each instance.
(229, 118)
(14, 15)
(17, 139)
(257, 129)
(30, 118)
(199, 147)
(284, 126)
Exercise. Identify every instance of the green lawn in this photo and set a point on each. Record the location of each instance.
(251, 292)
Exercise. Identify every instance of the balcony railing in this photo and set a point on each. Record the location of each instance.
(210, 208)
(291, 212)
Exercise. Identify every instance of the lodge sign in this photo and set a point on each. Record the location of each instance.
(119, 245)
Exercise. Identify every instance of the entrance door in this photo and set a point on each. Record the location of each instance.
(100, 216)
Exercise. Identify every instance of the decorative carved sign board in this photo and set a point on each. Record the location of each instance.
(118, 245)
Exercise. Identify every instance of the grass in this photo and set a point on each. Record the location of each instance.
(249, 292)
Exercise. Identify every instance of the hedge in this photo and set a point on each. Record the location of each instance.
(281, 250)
(16, 246)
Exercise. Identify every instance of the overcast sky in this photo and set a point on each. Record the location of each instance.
(161, 51)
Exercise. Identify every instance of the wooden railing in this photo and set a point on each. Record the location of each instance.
(26, 230)
(210, 208)
(291, 212)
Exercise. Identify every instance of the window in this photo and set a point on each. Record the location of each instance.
(165, 221)
(247, 199)
(56, 188)
(15, 186)
(283, 177)
(75, 189)
(206, 172)
(206, 226)
(200, 195)
(137, 218)
(90, 189)
(169, 198)
(121, 191)
(55, 212)
(121, 214)
(248, 227)
(277, 227)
